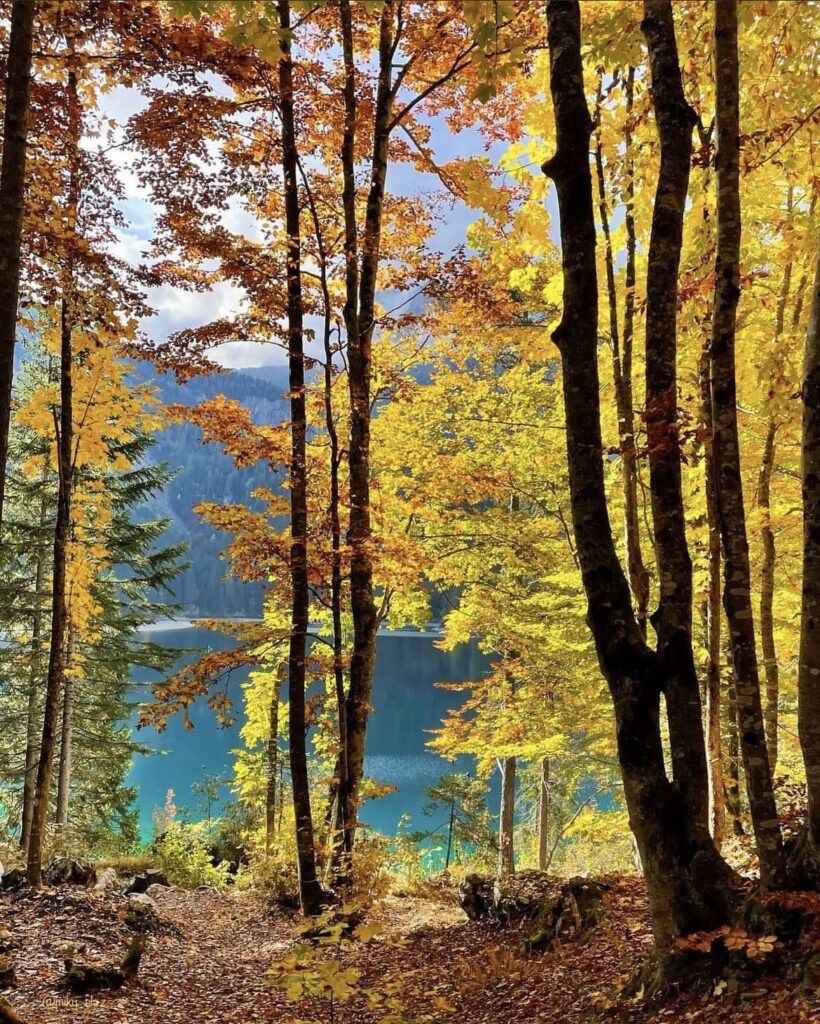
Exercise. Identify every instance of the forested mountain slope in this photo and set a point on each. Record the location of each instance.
(204, 472)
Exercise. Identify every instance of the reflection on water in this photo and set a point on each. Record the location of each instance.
(407, 705)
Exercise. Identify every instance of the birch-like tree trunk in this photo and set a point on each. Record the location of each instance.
(506, 819)
(543, 814)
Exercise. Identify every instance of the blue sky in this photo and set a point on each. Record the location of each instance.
(176, 309)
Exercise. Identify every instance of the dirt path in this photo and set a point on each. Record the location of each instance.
(210, 968)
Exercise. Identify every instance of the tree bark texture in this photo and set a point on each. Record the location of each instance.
(713, 685)
(686, 879)
(66, 736)
(732, 764)
(55, 679)
(12, 182)
(767, 540)
(506, 819)
(543, 814)
(731, 511)
(767, 570)
(59, 614)
(33, 710)
(344, 797)
(622, 366)
(675, 120)
(808, 680)
(309, 888)
(272, 762)
(360, 311)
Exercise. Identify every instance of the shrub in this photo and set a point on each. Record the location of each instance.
(182, 853)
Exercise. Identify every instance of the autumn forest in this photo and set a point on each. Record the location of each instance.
(492, 325)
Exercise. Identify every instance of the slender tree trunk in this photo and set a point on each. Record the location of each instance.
(309, 888)
(638, 573)
(450, 825)
(808, 680)
(12, 182)
(32, 750)
(686, 880)
(732, 772)
(622, 364)
(65, 440)
(737, 574)
(342, 780)
(345, 799)
(55, 677)
(543, 813)
(272, 762)
(34, 683)
(767, 569)
(359, 313)
(337, 803)
(767, 541)
(673, 619)
(714, 744)
(506, 819)
(66, 736)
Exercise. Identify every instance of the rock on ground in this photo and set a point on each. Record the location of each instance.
(140, 883)
(69, 871)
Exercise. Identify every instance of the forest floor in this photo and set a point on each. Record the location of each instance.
(208, 965)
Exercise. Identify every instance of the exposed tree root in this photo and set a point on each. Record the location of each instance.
(561, 910)
(771, 935)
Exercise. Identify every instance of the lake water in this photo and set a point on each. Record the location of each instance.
(407, 705)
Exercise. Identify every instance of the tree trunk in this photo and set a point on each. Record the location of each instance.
(342, 781)
(32, 730)
(359, 314)
(808, 680)
(12, 181)
(731, 512)
(732, 773)
(506, 818)
(450, 826)
(65, 469)
(686, 881)
(622, 366)
(56, 666)
(310, 892)
(543, 814)
(767, 642)
(272, 762)
(66, 736)
(33, 711)
(714, 744)
(767, 541)
(344, 798)
(673, 619)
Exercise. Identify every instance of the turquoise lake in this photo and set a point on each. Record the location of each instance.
(406, 702)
